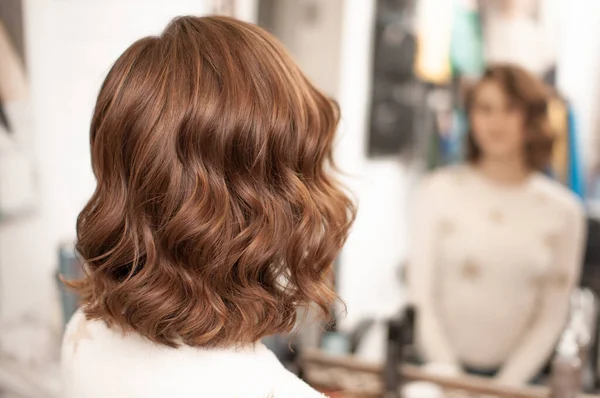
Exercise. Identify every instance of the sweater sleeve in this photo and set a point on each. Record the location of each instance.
(432, 340)
(537, 345)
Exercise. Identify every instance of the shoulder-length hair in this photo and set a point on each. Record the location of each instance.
(215, 215)
(531, 96)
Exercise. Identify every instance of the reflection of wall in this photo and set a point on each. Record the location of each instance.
(369, 261)
(579, 71)
(247, 10)
(310, 30)
(525, 33)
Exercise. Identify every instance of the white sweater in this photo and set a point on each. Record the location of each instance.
(492, 268)
(98, 362)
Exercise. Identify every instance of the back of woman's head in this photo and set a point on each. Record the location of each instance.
(214, 216)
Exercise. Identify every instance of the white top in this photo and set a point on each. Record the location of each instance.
(492, 268)
(98, 362)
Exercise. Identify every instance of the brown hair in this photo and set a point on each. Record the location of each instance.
(214, 215)
(531, 95)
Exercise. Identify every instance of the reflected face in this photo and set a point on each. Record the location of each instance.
(497, 123)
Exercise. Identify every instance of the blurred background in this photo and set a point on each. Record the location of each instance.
(394, 66)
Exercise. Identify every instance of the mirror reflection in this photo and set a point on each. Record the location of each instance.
(480, 162)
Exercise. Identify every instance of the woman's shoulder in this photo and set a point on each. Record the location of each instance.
(93, 347)
(553, 192)
(291, 386)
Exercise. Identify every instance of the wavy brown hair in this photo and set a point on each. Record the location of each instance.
(215, 215)
(532, 96)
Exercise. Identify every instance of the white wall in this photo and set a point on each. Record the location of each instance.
(368, 278)
(579, 70)
(247, 10)
(70, 46)
(311, 32)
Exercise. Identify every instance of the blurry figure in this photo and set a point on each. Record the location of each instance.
(214, 218)
(497, 245)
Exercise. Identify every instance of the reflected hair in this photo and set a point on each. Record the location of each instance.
(216, 214)
(531, 96)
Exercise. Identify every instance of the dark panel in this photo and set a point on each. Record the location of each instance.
(392, 107)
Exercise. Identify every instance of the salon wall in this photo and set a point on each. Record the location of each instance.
(247, 10)
(579, 71)
(70, 45)
(311, 32)
(368, 276)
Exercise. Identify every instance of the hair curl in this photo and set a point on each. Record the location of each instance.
(532, 96)
(215, 215)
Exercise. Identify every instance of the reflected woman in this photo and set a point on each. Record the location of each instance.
(497, 245)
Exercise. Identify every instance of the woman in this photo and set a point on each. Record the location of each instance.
(213, 220)
(497, 246)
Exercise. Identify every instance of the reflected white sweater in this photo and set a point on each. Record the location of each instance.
(492, 268)
(98, 362)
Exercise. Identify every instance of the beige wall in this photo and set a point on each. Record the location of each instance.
(311, 31)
